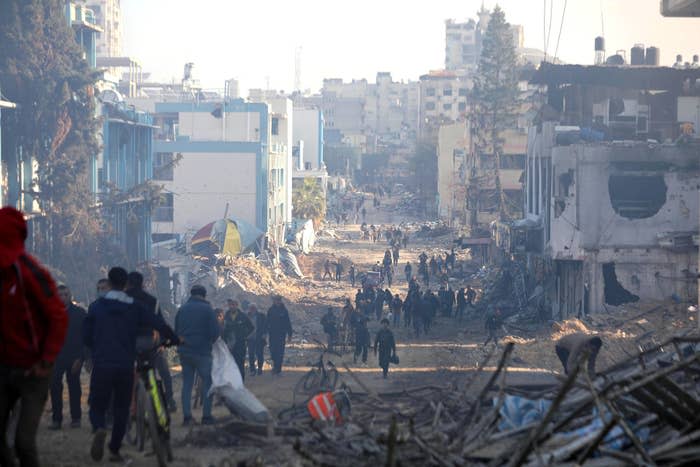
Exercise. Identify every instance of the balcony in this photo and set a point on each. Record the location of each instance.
(163, 214)
(82, 17)
(278, 148)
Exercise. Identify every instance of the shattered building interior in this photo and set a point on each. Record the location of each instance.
(613, 174)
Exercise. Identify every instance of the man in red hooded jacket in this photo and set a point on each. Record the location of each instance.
(33, 324)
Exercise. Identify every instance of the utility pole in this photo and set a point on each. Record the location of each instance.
(297, 69)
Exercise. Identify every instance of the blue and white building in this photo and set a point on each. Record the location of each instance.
(221, 157)
(120, 174)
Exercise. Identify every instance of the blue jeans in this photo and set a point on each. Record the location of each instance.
(202, 365)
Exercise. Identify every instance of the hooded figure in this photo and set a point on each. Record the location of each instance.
(33, 324)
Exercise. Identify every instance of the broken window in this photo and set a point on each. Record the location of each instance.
(565, 181)
(637, 196)
(614, 293)
(164, 209)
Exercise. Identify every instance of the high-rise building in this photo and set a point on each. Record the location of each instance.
(463, 41)
(444, 98)
(108, 17)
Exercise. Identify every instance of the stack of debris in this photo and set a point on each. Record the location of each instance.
(642, 411)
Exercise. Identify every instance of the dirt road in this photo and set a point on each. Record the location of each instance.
(448, 354)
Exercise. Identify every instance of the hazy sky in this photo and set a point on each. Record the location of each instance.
(254, 40)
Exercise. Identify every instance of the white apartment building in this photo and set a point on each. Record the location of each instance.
(369, 114)
(108, 17)
(443, 100)
(453, 171)
(308, 139)
(463, 41)
(235, 161)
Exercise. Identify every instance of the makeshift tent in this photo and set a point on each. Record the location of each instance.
(225, 236)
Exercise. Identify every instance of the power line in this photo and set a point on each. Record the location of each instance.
(544, 29)
(561, 26)
(549, 31)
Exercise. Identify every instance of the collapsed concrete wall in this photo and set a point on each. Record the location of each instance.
(629, 212)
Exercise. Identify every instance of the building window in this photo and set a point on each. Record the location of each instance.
(100, 178)
(163, 166)
(163, 212)
(430, 105)
(447, 106)
(275, 126)
(447, 92)
(430, 92)
(463, 92)
(462, 106)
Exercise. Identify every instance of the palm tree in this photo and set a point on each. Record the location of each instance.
(309, 201)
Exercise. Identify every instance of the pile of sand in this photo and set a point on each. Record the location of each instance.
(569, 326)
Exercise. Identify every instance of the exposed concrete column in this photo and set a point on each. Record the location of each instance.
(528, 178)
(540, 190)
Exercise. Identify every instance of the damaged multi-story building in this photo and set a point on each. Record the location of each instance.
(612, 187)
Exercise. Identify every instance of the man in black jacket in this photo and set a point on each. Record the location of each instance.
(148, 338)
(256, 340)
(237, 328)
(69, 362)
(385, 346)
(280, 329)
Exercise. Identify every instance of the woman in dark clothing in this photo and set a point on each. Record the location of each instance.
(385, 344)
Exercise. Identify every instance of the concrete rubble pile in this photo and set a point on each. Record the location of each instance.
(505, 288)
(641, 411)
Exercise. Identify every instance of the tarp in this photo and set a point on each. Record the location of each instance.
(290, 263)
(226, 236)
(519, 411)
(226, 381)
(305, 237)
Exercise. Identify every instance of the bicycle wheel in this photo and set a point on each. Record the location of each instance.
(168, 450)
(156, 441)
(292, 413)
(140, 416)
(332, 376)
(303, 386)
(311, 380)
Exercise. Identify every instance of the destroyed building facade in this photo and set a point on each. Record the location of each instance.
(612, 187)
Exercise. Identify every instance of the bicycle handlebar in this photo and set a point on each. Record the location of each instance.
(164, 344)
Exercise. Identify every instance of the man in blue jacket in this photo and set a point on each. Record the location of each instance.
(110, 331)
(196, 323)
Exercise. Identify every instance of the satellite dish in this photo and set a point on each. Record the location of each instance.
(111, 96)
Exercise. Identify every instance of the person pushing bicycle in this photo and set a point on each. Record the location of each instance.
(110, 332)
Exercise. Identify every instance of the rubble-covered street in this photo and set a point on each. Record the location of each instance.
(440, 393)
(287, 234)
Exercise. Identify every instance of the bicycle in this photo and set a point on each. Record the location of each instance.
(323, 376)
(151, 417)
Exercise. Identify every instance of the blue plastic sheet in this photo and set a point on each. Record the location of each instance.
(519, 411)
